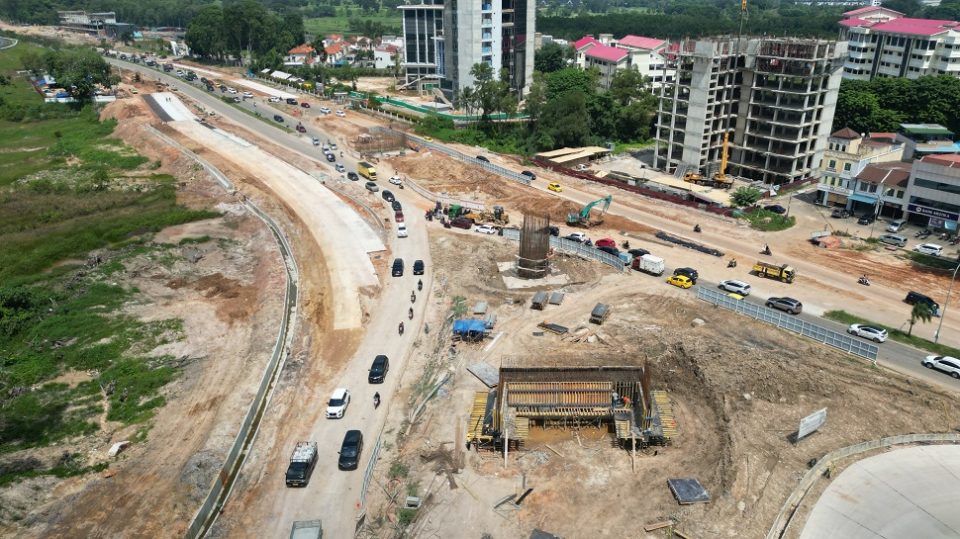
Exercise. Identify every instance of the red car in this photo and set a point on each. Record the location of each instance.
(605, 242)
(398, 217)
(305, 105)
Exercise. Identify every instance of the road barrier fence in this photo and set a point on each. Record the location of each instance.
(573, 247)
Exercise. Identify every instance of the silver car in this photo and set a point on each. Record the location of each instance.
(737, 287)
(947, 364)
(372, 187)
(873, 333)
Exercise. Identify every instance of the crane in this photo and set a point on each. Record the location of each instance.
(583, 218)
(721, 178)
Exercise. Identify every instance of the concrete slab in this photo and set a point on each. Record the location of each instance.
(172, 105)
(906, 493)
(508, 272)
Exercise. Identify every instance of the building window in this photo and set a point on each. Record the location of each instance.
(937, 186)
(832, 164)
(846, 167)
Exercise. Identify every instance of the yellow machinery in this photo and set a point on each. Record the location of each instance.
(721, 178)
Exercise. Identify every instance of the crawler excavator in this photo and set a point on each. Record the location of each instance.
(583, 218)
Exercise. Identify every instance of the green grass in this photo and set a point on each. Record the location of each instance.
(932, 262)
(21, 469)
(896, 334)
(323, 26)
(623, 147)
(768, 221)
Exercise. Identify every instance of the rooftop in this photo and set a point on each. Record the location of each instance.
(906, 25)
(608, 54)
(584, 41)
(640, 42)
(925, 129)
(869, 9)
(846, 133)
(302, 49)
(895, 173)
(950, 160)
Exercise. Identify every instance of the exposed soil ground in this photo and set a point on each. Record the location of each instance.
(228, 292)
(739, 389)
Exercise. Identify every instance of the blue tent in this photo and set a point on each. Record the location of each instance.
(471, 328)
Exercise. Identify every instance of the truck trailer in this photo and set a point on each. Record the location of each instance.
(782, 273)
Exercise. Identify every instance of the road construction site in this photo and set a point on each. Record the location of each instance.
(731, 390)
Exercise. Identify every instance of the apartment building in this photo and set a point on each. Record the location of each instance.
(644, 54)
(446, 38)
(848, 153)
(884, 43)
(774, 97)
(933, 195)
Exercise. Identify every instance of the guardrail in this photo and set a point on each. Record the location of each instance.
(223, 484)
(843, 341)
(573, 247)
(785, 517)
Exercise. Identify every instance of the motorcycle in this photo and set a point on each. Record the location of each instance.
(420, 284)
(766, 251)
(401, 328)
(864, 281)
(413, 297)
(410, 314)
(376, 400)
(732, 263)
(696, 228)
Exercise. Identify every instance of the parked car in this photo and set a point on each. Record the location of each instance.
(688, 272)
(485, 229)
(316, 141)
(866, 219)
(929, 249)
(397, 270)
(236, 99)
(776, 208)
(737, 287)
(231, 90)
(529, 174)
(274, 99)
(893, 239)
(372, 187)
(637, 253)
(896, 225)
(305, 105)
(337, 405)
(387, 195)
(605, 242)
(378, 370)
(483, 158)
(555, 187)
(278, 118)
(681, 281)
(401, 230)
(840, 213)
(350, 450)
(333, 145)
(353, 176)
(577, 236)
(247, 95)
(396, 205)
(868, 332)
(461, 222)
(341, 114)
(395, 180)
(418, 267)
(324, 110)
(947, 364)
(340, 168)
(789, 305)
(291, 101)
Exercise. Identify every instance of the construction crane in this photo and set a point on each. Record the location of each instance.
(583, 218)
(721, 179)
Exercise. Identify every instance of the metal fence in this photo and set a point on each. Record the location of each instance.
(573, 247)
(843, 341)
(216, 496)
(443, 199)
(784, 518)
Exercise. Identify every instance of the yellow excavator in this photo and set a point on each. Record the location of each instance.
(720, 179)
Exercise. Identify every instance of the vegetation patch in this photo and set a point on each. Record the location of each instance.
(896, 334)
(768, 221)
(931, 262)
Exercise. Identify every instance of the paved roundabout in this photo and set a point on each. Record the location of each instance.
(905, 493)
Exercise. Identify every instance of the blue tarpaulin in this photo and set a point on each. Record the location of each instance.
(464, 327)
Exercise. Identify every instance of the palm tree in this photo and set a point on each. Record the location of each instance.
(920, 313)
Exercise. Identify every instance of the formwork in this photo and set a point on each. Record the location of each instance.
(532, 262)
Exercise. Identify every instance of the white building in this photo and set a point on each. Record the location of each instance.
(848, 153)
(644, 54)
(933, 195)
(383, 56)
(884, 43)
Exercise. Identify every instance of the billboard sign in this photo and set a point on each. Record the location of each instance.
(811, 423)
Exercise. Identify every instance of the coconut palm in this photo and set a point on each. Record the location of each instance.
(920, 313)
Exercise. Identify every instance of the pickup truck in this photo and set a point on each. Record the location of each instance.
(302, 462)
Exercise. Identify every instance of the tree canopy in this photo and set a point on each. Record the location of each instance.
(240, 26)
(78, 69)
(883, 104)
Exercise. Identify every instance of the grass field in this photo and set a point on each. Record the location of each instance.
(323, 26)
(65, 190)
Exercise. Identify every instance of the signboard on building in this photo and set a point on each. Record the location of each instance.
(811, 423)
(834, 189)
(923, 210)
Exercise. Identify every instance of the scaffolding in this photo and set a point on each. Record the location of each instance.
(532, 262)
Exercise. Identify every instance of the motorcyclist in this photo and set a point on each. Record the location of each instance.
(863, 279)
(766, 249)
(413, 297)
(376, 399)
(410, 313)
(732, 263)
(696, 227)
(401, 328)
(420, 284)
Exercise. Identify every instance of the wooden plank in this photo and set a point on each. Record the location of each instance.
(552, 449)
(657, 525)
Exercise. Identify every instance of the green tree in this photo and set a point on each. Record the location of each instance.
(627, 85)
(565, 121)
(571, 79)
(205, 33)
(920, 313)
(745, 196)
(549, 58)
(79, 69)
(536, 99)
(910, 8)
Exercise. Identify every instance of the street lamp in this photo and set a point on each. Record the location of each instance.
(876, 211)
(936, 336)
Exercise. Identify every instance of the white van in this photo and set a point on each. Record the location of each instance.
(896, 225)
(894, 239)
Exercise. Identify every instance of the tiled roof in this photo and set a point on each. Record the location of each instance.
(869, 9)
(640, 42)
(846, 133)
(609, 54)
(584, 41)
(890, 137)
(332, 49)
(950, 160)
(906, 25)
(894, 173)
(301, 49)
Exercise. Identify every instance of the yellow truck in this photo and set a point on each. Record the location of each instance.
(367, 171)
(783, 273)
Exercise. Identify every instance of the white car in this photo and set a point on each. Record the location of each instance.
(231, 90)
(401, 230)
(340, 168)
(947, 364)
(325, 148)
(577, 236)
(333, 145)
(868, 332)
(316, 141)
(396, 180)
(247, 95)
(485, 229)
(324, 110)
(274, 100)
(737, 287)
(929, 249)
(337, 405)
(341, 114)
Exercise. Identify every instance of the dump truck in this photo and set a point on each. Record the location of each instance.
(302, 462)
(367, 171)
(783, 273)
(600, 313)
(307, 529)
(649, 264)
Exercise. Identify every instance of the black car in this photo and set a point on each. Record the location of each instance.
(789, 305)
(776, 208)
(237, 100)
(917, 297)
(291, 101)
(331, 158)
(612, 250)
(388, 196)
(637, 253)
(483, 158)
(352, 176)
(689, 272)
(529, 174)
(379, 369)
(396, 205)
(554, 231)
(278, 118)
(350, 450)
(397, 267)
(418, 267)
(866, 219)
(223, 87)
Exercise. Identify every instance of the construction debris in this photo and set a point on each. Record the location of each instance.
(554, 328)
(688, 491)
(657, 525)
(485, 373)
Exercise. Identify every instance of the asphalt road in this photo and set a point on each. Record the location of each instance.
(333, 495)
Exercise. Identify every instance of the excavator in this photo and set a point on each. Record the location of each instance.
(583, 218)
(720, 179)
